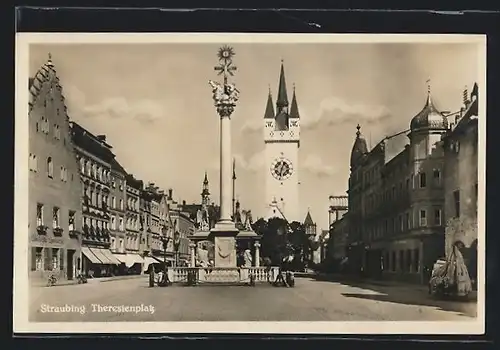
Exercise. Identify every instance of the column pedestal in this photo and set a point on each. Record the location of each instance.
(192, 247)
(224, 236)
(257, 254)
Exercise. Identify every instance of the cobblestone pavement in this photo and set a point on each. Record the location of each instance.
(310, 300)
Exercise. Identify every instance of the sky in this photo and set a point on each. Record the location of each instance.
(154, 104)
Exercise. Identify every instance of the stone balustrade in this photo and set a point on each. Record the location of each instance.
(222, 274)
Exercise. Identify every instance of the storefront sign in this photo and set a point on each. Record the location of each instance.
(45, 239)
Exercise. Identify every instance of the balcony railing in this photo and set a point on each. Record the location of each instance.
(233, 275)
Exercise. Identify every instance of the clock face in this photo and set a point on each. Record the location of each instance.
(281, 169)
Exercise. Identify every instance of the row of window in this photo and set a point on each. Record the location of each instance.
(44, 126)
(47, 259)
(94, 170)
(396, 191)
(114, 225)
(133, 203)
(407, 261)
(97, 198)
(56, 217)
(95, 223)
(49, 168)
(132, 223)
(405, 222)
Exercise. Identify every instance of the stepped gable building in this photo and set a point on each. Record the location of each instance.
(461, 175)
(95, 157)
(54, 189)
(396, 229)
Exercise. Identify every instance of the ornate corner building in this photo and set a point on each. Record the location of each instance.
(396, 224)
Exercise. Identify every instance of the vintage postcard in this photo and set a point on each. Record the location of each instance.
(250, 183)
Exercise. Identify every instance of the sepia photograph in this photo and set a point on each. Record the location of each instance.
(250, 183)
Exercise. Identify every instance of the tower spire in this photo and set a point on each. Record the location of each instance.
(294, 110)
(282, 100)
(269, 113)
(429, 99)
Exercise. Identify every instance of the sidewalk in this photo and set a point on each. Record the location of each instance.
(43, 283)
(365, 281)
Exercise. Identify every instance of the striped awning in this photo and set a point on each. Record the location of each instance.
(111, 257)
(93, 259)
(99, 253)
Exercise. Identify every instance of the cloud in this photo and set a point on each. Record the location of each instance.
(144, 111)
(332, 111)
(254, 163)
(252, 125)
(335, 111)
(314, 164)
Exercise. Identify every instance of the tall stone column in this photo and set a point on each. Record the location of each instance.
(225, 96)
(257, 254)
(192, 254)
(226, 172)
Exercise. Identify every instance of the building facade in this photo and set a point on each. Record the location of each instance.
(282, 142)
(54, 190)
(338, 230)
(396, 229)
(132, 216)
(117, 208)
(183, 227)
(460, 146)
(94, 156)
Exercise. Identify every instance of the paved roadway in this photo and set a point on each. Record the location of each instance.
(310, 300)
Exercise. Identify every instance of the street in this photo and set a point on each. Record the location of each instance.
(310, 300)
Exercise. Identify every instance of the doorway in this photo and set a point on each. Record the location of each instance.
(69, 263)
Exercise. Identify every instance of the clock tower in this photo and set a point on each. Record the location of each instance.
(282, 142)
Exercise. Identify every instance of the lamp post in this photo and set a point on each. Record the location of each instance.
(165, 240)
(177, 242)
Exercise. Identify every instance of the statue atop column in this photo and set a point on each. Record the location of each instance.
(225, 95)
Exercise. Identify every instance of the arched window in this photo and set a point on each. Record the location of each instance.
(82, 165)
(50, 167)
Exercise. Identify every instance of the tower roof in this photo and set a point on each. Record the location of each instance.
(359, 148)
(294, 110)
(308, 221)
(205, 180)
(269, 114)
(429, 117)
(282, 100)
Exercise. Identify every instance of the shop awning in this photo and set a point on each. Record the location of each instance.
(122, 258)
(148, 261)
(111, 257)
(93, 259)
(100, 255)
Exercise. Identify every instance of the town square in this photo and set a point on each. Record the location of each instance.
(254, 182)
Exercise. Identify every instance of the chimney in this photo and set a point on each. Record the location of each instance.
(183, 203)
(170, 193)
(101, 138)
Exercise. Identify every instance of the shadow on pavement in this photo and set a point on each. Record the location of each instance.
(407, 294)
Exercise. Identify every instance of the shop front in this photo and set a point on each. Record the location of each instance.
(98, 262)
(59, 256)
(408, 259)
